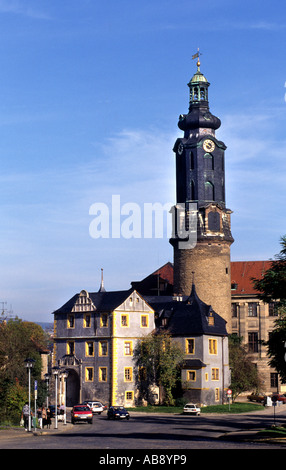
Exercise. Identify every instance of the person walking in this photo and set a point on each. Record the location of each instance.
(25, 416)
(48, 421)
(44, 417)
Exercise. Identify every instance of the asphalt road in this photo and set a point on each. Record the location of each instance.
(151, 433)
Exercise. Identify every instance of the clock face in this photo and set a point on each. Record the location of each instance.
(208, 145)
(180, 149)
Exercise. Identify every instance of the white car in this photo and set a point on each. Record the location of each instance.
(193, 409)
(95, 406)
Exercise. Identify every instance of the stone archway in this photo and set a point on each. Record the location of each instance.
(73, 388)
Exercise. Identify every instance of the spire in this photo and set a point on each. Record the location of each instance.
(102, 288)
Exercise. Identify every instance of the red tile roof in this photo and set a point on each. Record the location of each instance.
(243, 271)
(166, 272)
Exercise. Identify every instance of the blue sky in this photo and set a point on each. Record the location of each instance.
(90, 94)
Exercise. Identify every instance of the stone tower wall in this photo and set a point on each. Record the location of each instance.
(210, 263)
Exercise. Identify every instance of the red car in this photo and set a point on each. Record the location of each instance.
(81, 413)
(278, 397)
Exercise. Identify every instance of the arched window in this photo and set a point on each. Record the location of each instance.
(192, 190)
(214, 221)
(208, 161)
(192, 161)
(196, 94)
(209, 191)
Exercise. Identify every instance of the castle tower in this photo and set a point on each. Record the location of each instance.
(203, 252)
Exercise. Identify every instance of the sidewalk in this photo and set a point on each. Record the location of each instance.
(12, 432)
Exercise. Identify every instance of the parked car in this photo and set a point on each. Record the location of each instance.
(117, 412)
(81, 413)
(95, 406)
(278, 397)
(59, 410)
(193, 409)
(259, 397)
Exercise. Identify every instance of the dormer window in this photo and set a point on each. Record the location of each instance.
(211, 318)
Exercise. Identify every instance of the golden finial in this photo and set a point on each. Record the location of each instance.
(197, 55)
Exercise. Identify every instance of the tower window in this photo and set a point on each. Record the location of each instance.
(192, 161)
(209, 191)
(214, 221)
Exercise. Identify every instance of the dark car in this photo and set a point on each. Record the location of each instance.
(81, 413)
(117, 412)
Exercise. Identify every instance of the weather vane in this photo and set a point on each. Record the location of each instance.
(197, 55)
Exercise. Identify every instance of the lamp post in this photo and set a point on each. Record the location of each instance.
(29, 364)
(47, 379)
(56, 372)
(65, 376)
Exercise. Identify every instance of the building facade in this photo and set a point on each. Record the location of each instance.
(96, 333)
(251, 318)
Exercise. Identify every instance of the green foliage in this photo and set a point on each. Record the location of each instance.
(272, 287)
(244, 375)
(19, 340)
(158, 358)
(277, 345)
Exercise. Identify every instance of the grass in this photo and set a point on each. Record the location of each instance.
(275, 431)
(234, 408)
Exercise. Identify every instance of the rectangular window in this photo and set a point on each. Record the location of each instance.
(102, 376)
(190, 346)
(216, 394)
(212, 346)
(215, 373)
(89, 348)
(70, 347)
(273, 380)
(273, 310)
(234, 310)
(89, 374)
(70, 321)
(252, 309)
(144, 321)
(86, 320)
(103, 348)
(128, 376)
(124, 320)
(104, 320)
(128, 349)
(129, 396)
(253, 342)
(191, 375)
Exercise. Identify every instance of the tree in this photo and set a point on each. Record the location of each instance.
(18, 340)
(272, 288)
(157, 357)
(244, 375)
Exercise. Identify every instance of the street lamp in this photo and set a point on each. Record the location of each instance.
(55, 373)
(65, 376)
(47, 379)
(29, 364)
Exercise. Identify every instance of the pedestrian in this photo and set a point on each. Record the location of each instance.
(25, 415)
(48, 421)
(44, 417)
